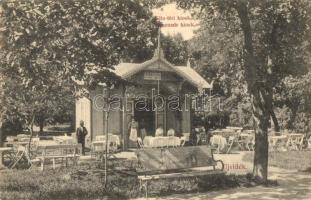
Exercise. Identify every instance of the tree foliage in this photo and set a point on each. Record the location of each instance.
(274, 44)
(52, 50)
(175, 49)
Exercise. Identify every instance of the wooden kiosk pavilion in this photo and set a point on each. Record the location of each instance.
(157, 82)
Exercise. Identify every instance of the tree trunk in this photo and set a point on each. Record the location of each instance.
(30, 126)
(1, 135)
(40, 120)
(261, 115)
(275, 121)
(261, 96)
(41, 126)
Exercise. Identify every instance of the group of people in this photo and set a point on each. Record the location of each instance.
(135, 130)
(139, 130)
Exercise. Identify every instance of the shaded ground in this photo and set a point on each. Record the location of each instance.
(292, 185)
(292, 160)
(86, 181)
(53, 184)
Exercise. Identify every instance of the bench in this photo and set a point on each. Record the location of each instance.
(61, 152)
(181, 162)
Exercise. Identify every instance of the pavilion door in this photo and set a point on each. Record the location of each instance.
(129, 112)
(127, 116)
(160, 117)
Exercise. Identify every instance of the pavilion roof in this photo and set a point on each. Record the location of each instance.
(126, 70)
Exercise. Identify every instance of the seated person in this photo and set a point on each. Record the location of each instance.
(171, 132)
(159, 132)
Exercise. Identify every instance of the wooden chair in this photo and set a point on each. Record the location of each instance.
(233, 139)
(295, 141)
(299, 142)
(140, 143)
(250, 143)
(159, 132)
(171, 132)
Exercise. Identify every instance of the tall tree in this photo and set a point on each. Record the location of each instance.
(52, 47)
(294, 93)
(273, 36)
(175, 49)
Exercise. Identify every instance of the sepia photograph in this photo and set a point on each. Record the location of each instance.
(155, 99)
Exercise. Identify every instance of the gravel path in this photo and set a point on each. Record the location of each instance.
(292, 184)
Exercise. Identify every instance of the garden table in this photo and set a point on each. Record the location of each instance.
(99, 148)
(64, 139)
(246, 141)
(226, 133)
(163, 141)
(2, 151)
(111, 138)
(278, 143)
(99, 145)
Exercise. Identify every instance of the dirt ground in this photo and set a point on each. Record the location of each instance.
(292, 184)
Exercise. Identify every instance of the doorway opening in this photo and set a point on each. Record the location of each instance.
(145, 117)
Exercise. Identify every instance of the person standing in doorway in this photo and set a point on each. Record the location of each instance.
(142, 129)
(133, 126)
(81, 133)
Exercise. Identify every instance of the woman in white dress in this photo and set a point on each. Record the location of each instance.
(142, 129)
(133, 126)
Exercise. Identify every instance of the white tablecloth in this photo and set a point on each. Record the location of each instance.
(161, 141)
(65, 139)
(219, 140)
(111, 138)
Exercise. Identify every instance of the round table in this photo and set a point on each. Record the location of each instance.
(278, 142)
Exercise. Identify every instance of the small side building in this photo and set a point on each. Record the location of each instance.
(159, 96)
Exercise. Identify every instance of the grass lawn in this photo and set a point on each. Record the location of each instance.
(294, 160)
(87, 182)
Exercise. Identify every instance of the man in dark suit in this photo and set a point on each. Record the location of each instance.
(81, 133)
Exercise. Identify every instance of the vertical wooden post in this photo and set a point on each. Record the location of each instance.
(124, 129)
(1, 134)
(106, 148)
(106, 95)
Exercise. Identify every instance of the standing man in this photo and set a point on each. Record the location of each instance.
(81, 133)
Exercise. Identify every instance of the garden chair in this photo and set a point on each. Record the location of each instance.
(159, 132)
(171, 132)
(250, 143)
(295, 141)
(185, 138)
(24, 155)
(233, 139)
(299, 142)
(140, 143)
